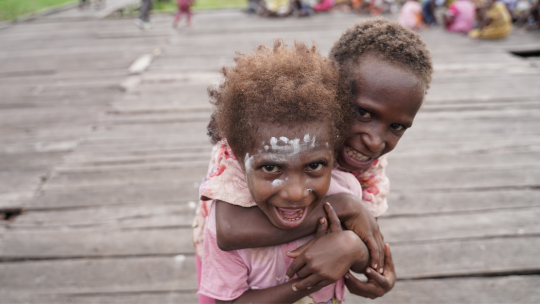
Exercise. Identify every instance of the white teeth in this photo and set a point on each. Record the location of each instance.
(357, 155)
(291, 219)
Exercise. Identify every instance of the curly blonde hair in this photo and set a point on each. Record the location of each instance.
(282, 85)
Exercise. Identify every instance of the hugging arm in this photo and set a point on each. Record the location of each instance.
(239, 227)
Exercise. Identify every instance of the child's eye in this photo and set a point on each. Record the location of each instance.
(270, 169)
(363, 113)
(397, 127)
(315, 167)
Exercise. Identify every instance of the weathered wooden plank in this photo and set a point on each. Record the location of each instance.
(165, 297)
(481, 178)
(20, 181)
(151, 215)
(66, 244)
(127, 177)
(144, 274)
(510, 289)
(489, 144)
(114, 195)
(504, 222)
(467, 257)
(459, 162)
(134, 157)
(25, 161)
(417, 203)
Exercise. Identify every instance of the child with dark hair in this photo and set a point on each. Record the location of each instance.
(386, 70)
(281, 115)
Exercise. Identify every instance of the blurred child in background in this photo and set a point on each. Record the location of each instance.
(411, 15)
(184, 7)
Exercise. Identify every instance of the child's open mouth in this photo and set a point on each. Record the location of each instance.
(356, 158)
(290, 218)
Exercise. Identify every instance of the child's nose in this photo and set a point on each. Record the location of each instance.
(295, 191)
(374, 140)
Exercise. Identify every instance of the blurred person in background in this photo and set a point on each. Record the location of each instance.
(377, 7)
(510, 6)
(527, 14)
(143, 22)
(411, 15)
(428, 11)
(495, 22)
(301, 9)
(460, 16)
(360, 6)
(184, 7)
(277, 8)
(324, 5)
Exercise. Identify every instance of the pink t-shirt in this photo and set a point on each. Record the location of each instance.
(226, 275)
(464, 15)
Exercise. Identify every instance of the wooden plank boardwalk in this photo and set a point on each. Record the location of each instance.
(98, 186)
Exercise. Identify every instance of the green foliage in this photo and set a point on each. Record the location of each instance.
(11, 9)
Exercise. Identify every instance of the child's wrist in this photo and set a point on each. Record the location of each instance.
(360, 251)
(345, 206)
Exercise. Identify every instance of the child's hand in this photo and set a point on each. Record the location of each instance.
(328, 257)
(377, 284)
(361, 222)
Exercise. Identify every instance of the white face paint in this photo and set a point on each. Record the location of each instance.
(291, 147)
(277, 182)
(248, 162)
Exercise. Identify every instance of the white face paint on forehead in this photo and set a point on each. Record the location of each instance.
(290, 146)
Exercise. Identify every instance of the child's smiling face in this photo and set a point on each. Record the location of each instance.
(288, 171)
(388, 98)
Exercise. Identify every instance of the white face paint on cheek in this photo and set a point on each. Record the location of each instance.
(277, 182)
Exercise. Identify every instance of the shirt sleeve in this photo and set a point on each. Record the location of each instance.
(226, 181)
(224, 274)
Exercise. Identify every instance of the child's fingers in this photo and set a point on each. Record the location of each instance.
(322, 227)
(359, 288)
(296, 265)
(377, 277)
(388, 258)
(306, 283)
(374, 251)
(335, 223)
(381, 246)
(298, 251)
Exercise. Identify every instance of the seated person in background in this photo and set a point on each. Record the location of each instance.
(495, 22)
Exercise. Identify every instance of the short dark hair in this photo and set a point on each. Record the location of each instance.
(388, 39)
